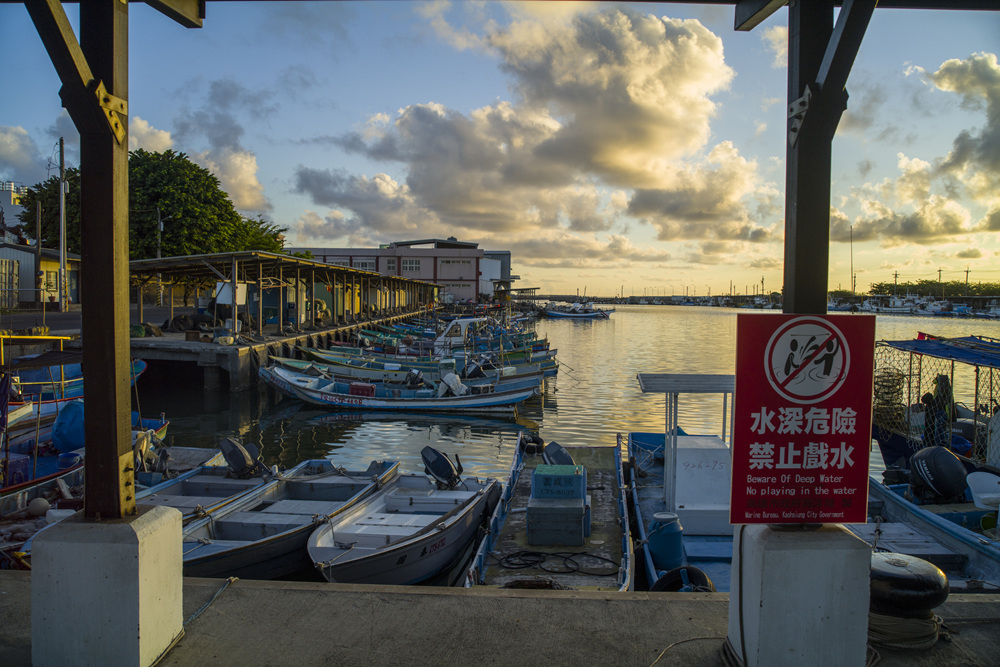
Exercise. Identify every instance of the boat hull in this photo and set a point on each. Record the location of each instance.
(411, 560)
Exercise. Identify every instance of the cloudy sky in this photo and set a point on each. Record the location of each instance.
(611, 147)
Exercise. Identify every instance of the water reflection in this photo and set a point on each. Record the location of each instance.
(595, 396)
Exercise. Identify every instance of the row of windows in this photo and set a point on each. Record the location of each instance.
(369, 264)
(456, 261)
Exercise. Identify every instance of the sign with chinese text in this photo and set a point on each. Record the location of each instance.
(802, 418)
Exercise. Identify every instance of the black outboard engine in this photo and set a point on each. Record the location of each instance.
(414, 379)
(556, 455)
(243, 459)
(937, 475)
(440, 467)
(473, 370)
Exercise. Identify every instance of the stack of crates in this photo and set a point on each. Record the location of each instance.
(559, 507)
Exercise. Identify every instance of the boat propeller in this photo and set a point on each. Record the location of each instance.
(439, 466)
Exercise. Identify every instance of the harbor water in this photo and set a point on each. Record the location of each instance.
(595, 396)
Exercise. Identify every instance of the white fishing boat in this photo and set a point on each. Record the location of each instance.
(414, 529)
(262, 534)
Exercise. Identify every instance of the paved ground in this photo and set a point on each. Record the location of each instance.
(305, 623)
(70, 321)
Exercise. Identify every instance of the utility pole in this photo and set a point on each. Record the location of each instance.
(38, 258)
(966, 281)
(63, 297)
(941, 283)
(895, 279)
(852, 260)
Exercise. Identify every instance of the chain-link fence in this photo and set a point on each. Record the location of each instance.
(929, 399)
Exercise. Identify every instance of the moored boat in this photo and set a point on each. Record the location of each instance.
(450, 396)
(935, 510)
(412, 530)
(263, 533)
(559, 526)
(578, 311)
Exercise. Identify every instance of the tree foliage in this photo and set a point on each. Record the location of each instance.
(197, 215)
(47, 193)
(934, 288)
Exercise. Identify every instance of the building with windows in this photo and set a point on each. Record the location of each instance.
(462, 270)
(10, 203)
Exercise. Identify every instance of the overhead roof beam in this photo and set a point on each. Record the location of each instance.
(751, 13)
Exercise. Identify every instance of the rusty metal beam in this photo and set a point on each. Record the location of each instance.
(751, 13)
(189, 13)
(110, 479)
(85, 96)
(807, 165)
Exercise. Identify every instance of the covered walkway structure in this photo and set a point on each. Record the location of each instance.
(268, 285)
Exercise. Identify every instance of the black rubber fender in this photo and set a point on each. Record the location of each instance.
(906, 586)
(531, 444)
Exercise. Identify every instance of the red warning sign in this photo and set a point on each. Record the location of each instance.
(802, 418)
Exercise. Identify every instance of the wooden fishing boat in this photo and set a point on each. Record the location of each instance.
(559, 526)
(409, 532)
(362, 357)
(263, 533)
(585, 311)
(55, 464)
(399, 374)
(368, 396)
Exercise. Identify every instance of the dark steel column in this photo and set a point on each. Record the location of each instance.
(110, 480)
(807, 181)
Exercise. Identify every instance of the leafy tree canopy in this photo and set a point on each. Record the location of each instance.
(197, 215)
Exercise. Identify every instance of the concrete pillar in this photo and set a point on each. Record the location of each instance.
(107, 592)
(799, 597)
(213, 377)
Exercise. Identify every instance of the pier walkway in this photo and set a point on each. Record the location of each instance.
(306, 623)
(223, 366)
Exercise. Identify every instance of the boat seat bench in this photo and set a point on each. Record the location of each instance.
(181, 502)
(438, 502)
(276, 518)
(380, 528)
(213, 485)
(307, 507)
(196, 549)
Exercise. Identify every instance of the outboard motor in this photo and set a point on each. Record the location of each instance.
(556, 455)
(937, 475)
(440, 467)
(414, 379)
(243, 459)
(474, 370)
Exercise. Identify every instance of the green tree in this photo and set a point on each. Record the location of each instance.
(198, 216)
(259, 234)
(47, 193)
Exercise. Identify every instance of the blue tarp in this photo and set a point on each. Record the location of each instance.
(973, 350)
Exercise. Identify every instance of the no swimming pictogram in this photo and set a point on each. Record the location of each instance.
(806, 360)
